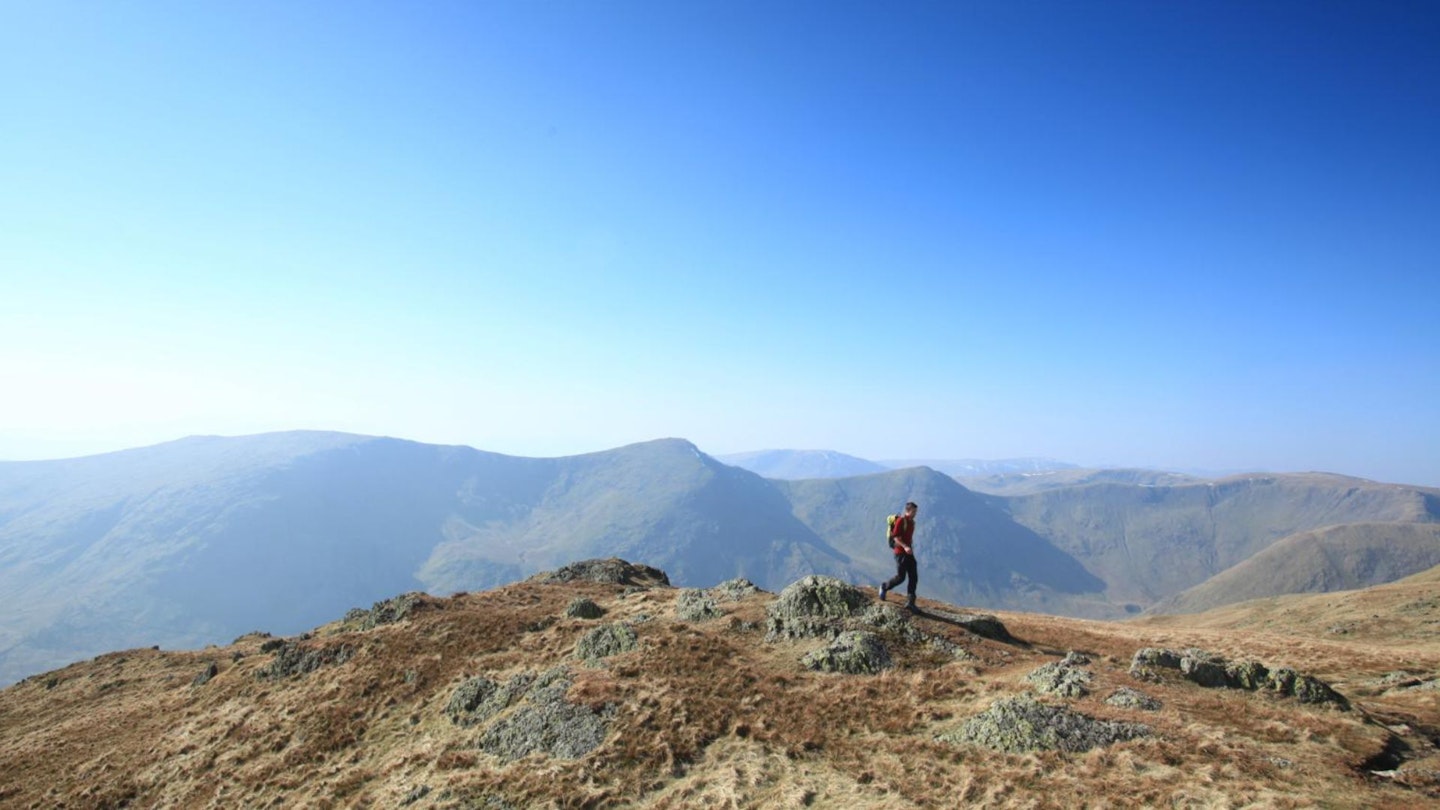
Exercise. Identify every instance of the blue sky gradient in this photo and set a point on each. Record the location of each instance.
(1186, 235)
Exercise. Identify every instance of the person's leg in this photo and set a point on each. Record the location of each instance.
(912, 569)
(900, 572)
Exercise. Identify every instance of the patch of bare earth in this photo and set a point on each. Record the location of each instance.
(702, 713)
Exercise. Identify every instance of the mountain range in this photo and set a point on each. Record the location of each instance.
(199, 540)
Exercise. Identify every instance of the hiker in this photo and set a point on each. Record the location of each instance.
(902, 537)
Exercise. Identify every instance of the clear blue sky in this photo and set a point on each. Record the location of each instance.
(1175, 234)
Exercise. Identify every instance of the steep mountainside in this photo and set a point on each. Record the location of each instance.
(1336, 558)
(1149, 542)
(600, 686)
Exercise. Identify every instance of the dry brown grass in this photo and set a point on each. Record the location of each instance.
(707, 715)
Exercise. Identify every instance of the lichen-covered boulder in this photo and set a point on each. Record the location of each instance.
(480, 698)
(605, 641)
(1206, 669)
(582, 608)
(1148, 662)
(1249, 675)
(1019, 724)
(854, 652)
(814, 606)
(694, 605)
(733, 590)
(1304, 688)
(1127, 698)
(544, 722)
(1064, 678)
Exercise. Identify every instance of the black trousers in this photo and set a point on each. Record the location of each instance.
(904, 567)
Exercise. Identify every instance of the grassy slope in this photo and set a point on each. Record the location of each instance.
(1335, 558)
(1149, 542)
(706, 714)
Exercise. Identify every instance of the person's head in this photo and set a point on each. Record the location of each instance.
(910, 508)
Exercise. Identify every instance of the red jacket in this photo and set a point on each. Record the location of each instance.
(903, 533)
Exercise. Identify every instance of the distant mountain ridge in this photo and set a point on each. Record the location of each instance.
(802, 464)
(796, 465)
(199, 540)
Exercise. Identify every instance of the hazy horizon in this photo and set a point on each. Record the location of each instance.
(1170, 236)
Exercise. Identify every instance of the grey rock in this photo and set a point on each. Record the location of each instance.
(388, 611)
(734, 590)
(1304, 688)
(1206, 669)
(582, 608)
(813, 606)
(293, 659)
(1022, 723)
(545, 723)
(694, 605)
(1064, 678)
(479, 698)
(612, 571)
(854, 652)
(1212, 671)
(605, 641)
(211, 670)
(1128, 698)
(1148, 661)
(891, 620)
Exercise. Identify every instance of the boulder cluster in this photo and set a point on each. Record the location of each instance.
(1212, 671)
(388, 611)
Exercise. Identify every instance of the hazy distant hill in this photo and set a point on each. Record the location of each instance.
(801, 464)
(974, 467)
(1150, 542)
(1335, 558)
(1027, 483)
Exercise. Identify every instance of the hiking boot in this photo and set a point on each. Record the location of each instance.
(884, 590)
(910, 604)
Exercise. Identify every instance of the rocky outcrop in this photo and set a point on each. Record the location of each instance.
(854, 652)
(693, 605)
(529, 714)
(293, 659)
(733, 590)
(1212, 671)
(1064, 678)
(1128, 698)
(388, 611)
(1019, 724)
(605, 641)
(612, 571)
(582, 608)
(814, 606)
